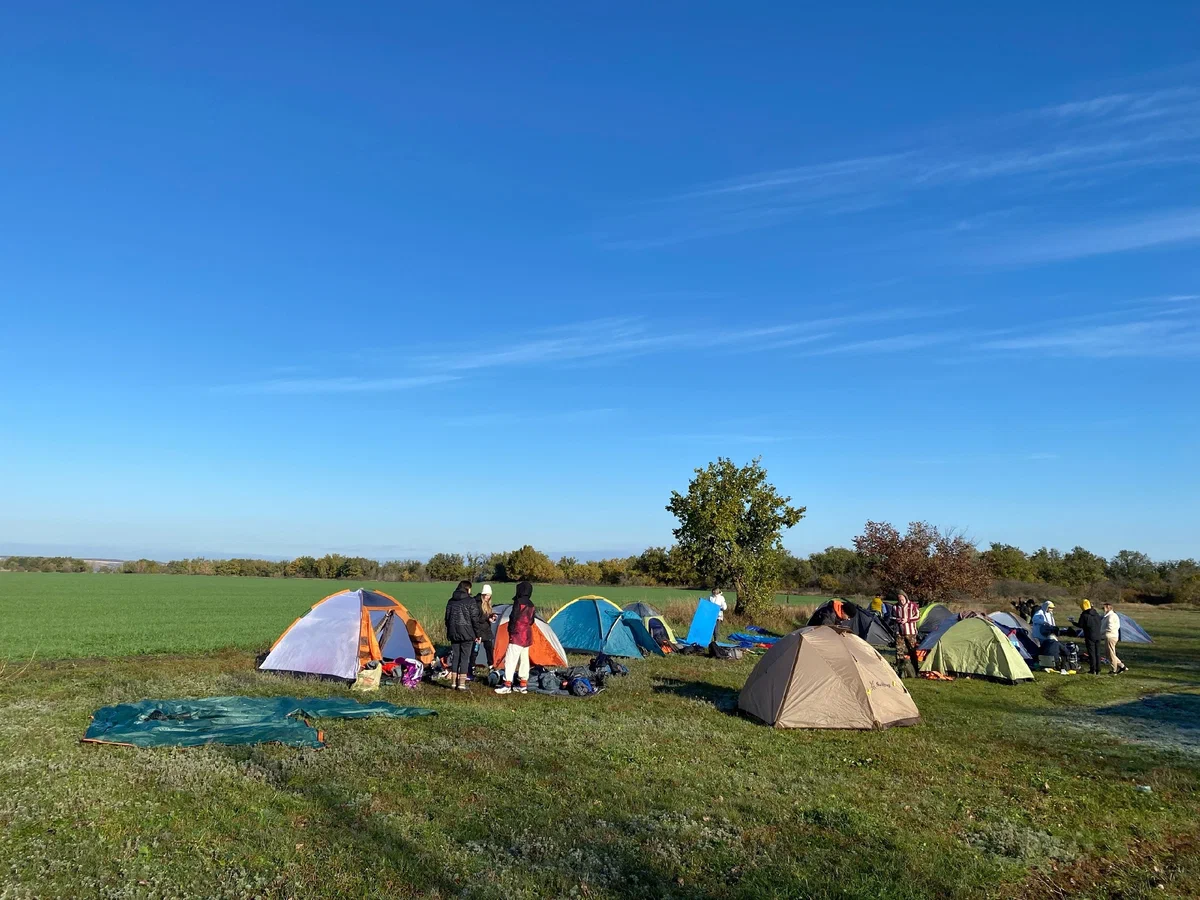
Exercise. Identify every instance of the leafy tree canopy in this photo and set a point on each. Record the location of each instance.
(730, 524)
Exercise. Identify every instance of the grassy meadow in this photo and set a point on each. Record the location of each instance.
(654, 788)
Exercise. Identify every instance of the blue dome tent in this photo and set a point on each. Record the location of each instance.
(594, 624)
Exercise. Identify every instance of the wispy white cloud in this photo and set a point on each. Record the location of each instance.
(898, 343)
(1133, 233)
(1036, 153)
(1149, 338)
(608, 341)
(613, 339)
(1168, 300)
(340, 384)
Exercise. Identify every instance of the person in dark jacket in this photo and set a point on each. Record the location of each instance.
(520, 639)
(1092, 625)
(462, 627)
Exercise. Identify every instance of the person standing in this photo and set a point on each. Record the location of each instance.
(520, 639)
(1045, 632)
(462, 626)
(718, 598)
(906, 632)
(483, 632)
(1112, 636)
(1092, 627)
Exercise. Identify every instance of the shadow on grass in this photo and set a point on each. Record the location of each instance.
(721, 697)
(1179, 710)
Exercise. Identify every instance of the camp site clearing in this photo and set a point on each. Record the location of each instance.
(1066, 786)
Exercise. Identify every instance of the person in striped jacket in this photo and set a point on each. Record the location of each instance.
(906, 632)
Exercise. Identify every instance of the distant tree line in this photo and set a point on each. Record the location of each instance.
(44, 564)
(924, 561)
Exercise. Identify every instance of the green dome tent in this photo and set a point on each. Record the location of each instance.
(655, 622)
(975, 646)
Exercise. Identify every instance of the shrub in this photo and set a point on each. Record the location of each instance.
(528, 564)
(446, 567)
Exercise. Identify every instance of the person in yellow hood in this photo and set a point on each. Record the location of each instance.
(1092, 626)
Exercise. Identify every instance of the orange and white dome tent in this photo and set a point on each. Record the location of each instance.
(546, 650)
(346, 630)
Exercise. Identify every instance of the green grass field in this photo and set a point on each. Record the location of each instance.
(654, 788)
(122, 615)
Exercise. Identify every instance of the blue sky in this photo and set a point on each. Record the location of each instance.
(389, 280)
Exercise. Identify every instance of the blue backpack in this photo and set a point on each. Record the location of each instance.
(581, 686)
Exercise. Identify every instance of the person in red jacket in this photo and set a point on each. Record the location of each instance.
(520, 639)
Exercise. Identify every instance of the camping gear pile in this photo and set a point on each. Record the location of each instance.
(570, 681)
(231, 720)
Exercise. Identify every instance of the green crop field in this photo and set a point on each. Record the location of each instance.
(1073, 786)
(120, 615)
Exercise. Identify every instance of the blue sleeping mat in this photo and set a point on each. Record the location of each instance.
(704, 624)
(752, 638)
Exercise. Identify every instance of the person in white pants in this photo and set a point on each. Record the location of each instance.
(520, 639)
(1112, 635)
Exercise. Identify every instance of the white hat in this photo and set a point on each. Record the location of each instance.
(487, 589)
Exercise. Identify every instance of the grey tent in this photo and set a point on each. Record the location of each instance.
(1132, 632)
(864, 622)
(1010, 620)
(822, 677)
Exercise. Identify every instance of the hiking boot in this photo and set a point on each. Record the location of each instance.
(504, 689)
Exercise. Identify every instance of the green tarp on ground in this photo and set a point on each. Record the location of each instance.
(975, 646)
(231, 720)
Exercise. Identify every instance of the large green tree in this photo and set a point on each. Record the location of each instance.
(1082, 567)
(1006, 562)
(731, 522)
(1130, 566)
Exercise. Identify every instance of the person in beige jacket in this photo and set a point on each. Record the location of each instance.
(1112, 634)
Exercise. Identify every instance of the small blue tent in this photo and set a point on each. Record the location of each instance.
(1132, 632)
(593, 624)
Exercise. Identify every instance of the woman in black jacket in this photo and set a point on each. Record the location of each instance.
(462, 627)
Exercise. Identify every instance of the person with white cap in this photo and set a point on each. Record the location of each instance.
(483, 634)
(719, 599)
(1045, 631)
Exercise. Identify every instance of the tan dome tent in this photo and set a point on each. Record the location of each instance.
(820, 677)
